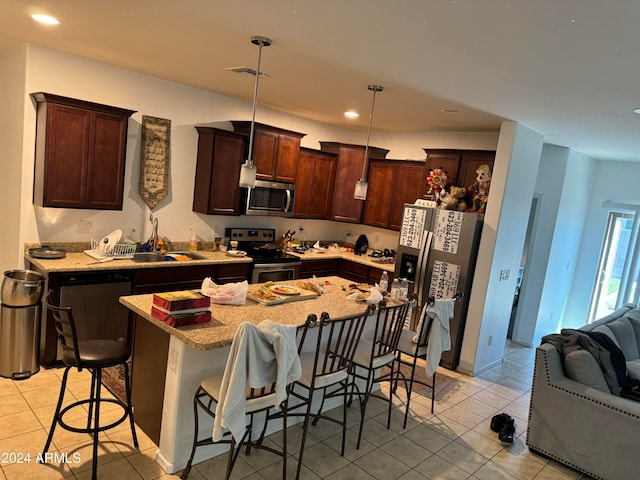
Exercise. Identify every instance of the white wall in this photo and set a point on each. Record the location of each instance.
(566, 239)
(410, 146)
(610, 181)
(12, 72)
(551, 175)
(503, 233)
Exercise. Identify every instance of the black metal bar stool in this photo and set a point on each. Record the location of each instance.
(374, 356)
(94, 355)
(325, 367)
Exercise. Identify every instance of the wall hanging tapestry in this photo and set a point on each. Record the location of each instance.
(154, 159)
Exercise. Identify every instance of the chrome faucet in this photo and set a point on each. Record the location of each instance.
(153, 242)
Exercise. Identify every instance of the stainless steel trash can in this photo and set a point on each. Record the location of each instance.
(20, 306)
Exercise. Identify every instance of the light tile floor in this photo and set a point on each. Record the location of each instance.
(454, 443)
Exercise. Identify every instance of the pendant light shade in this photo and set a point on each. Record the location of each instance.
(360, 192)
(248, 169)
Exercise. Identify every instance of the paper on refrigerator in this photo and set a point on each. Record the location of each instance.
(412, 228)
(446, 232)
(444, 280)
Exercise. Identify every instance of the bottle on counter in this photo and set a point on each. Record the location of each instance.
(395, 289)
(384, 282)
(133, 236)
(320, 285)
(404, 289)
(193, 241)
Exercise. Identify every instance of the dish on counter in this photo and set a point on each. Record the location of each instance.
(236, 253)
(285, 290)
(46, 252)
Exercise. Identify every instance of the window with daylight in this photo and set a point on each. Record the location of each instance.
(618, 270)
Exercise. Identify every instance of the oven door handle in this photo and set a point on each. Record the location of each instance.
(278, 266)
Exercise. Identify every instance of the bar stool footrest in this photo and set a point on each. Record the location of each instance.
(102, 428)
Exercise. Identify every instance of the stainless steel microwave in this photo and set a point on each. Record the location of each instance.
(270, 198)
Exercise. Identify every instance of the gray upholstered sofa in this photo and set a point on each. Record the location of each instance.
(575, 418)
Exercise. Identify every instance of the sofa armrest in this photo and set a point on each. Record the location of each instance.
(568, 421)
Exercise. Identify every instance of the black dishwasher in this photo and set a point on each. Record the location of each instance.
(94, 297)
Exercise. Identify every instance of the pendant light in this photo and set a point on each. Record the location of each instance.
(248, 169)
(360, 192)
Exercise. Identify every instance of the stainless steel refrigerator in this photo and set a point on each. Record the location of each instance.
(437, 253)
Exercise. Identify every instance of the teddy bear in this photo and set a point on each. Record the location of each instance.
(479, 191)
(454, 199)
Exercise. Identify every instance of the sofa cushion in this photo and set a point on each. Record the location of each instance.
(622, 332)
(633, 369)
(619, 313)
(580, 366)
(634, 319)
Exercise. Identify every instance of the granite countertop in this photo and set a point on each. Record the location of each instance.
(315, 254)
(75, 262)
(226, 318)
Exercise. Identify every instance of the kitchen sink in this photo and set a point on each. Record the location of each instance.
(158, 257)
(191, 255)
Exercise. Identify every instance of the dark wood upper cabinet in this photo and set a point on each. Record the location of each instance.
(460, 165)
(220, 155)
(275, 151)
(345, 208)
(392, 183)
(314, 184)
(80, 153)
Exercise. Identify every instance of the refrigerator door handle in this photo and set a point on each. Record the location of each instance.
(422, 265)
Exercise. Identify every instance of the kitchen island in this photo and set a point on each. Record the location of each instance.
(172, 369)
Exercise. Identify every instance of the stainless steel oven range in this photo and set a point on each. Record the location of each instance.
(270, 261)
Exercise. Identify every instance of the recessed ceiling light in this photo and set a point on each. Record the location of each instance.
(450, 110)
(46, 19)
(636, 110)
(351, 114)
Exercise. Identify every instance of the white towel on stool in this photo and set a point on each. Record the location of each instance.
(254, 361)
(283, 340)
(439, 336)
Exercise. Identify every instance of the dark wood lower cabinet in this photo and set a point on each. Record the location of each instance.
(361, 273)
(233, 272)
(319, 268)
(150, 280)
(149, 365)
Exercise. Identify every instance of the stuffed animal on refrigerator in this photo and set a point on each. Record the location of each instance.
(454, 199)
(479, 191)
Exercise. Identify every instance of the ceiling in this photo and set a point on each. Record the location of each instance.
(568, 69)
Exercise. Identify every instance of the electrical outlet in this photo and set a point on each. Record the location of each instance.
(504, 275)
(301, 228)
(85, 226)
